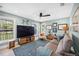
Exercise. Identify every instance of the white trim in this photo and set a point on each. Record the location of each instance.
(14, 29)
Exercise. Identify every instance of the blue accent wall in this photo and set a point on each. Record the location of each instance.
(58, 21)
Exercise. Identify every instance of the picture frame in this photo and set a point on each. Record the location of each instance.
(54, 27)
(54, 30)
(49, 27)
(60, 26)
(54, 24)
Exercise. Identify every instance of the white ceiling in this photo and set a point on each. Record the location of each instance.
(32, 10)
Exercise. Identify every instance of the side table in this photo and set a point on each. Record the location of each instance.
(11, 44)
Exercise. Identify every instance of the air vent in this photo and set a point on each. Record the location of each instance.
(61, 4)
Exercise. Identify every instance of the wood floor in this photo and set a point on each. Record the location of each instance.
(6, 52)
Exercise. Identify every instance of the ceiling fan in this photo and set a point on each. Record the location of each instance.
(41, 15)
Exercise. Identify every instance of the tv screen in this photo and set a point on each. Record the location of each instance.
(23, 31)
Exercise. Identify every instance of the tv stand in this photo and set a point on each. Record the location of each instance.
(27, 39)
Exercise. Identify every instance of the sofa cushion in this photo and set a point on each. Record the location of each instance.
(64, 45)
(52, 45)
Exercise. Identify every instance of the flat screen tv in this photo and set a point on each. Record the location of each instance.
(23, 31)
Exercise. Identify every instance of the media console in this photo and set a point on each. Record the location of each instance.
(27, 39)
(25, 34)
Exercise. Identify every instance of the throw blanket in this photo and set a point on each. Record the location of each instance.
(49, 49)
(52, 45)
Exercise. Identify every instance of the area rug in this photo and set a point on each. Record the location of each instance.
(29, 49)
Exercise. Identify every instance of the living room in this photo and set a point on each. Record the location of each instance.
(27, 29)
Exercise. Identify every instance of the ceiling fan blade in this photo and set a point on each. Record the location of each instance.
(41, 15)
(45, 15)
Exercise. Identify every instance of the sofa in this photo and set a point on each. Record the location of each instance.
(55, 48)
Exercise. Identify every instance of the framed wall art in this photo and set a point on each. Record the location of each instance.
(60, 26)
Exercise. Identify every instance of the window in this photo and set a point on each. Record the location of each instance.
(6, 29)
(75, 21)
